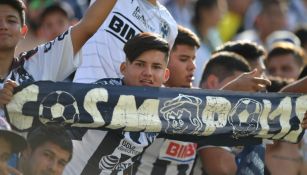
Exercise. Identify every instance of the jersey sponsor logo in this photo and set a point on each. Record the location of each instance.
(179, 152)
(122, 28)
(164, 29)
(120, 159)
(137, 14)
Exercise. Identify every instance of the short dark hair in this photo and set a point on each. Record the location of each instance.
(251, 51)
(186, 37)
(19, 6)
(144, 42)
(284, 48)
(224, 64)
(53, 133)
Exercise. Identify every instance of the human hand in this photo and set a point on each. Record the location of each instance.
(248, 82)
(6, 93)
(6, 170)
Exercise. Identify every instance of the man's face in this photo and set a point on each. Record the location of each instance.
(54, 24)
(181, 66)
(283, 66)
(47, 159)
(149, 69)
(5, 150)
(10, 27)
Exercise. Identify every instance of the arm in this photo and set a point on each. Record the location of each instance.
(247, 82)
(299, 86)
(218, 161)
(89, 24)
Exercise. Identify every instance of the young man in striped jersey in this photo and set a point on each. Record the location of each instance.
(114, 152)
(167, 156)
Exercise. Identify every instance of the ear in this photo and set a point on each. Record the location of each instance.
(212, 82)
(123, 67)
(24, 30)
(26, 153)
(166, 75)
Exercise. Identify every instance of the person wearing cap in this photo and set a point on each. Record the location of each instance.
(285, 60)
(10, 143)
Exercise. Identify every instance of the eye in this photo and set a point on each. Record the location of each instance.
(183, 59)
(48, 155)
(157, 67)
(62, 163)
(13, 21)
(139, 64)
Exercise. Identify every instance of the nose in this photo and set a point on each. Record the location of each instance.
(191, 65)
(3, 25)
(52, 167)
(147, 71)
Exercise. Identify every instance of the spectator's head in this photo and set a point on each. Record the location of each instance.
(55, 19)
(252, 52)
(182, 59)
(10, 142)
(222, 68)
(146, 60)
(207, 14)
(12, 27)
(272, 17)
(49, 150)
(285, 60)
(19, 7)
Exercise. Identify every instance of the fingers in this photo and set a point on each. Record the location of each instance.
(6, 94)
(13, 171)
(6, 170)
(252, 73)
(10, 85)
(262, 81)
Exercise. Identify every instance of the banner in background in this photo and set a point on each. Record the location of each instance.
(165, 110)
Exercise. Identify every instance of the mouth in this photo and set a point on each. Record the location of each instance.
(190, 78)
(4, 35)
(146, 82)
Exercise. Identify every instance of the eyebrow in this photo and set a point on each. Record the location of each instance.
(13, 16)
(54, 154)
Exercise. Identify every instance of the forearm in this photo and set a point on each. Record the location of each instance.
(298, 87)
(92, 20)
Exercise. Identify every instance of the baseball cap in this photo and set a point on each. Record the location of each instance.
(282, 36)
(18, 143)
